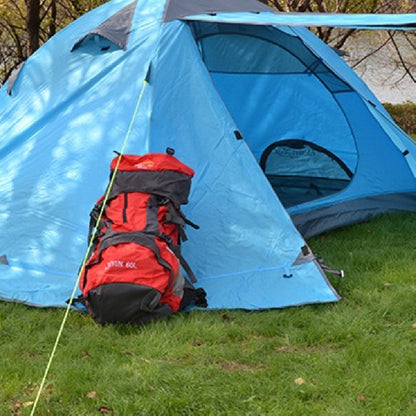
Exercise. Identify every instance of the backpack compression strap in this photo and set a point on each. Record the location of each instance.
(175, 216)
(112, 238)
(177, 251)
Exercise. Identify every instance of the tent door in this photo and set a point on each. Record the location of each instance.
(301, 171)
(270, 84)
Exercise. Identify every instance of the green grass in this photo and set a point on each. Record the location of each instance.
(354, 357)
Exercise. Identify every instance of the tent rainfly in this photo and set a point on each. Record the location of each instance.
(285, 139)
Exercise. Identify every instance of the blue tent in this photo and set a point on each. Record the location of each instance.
(275, 124)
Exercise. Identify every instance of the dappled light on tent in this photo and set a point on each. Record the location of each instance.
(67, 129)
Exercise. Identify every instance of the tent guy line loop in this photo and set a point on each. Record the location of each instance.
(68, 308)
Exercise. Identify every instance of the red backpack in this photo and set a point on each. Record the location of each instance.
(133, 272)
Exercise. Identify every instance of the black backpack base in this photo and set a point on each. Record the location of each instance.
(126, 303)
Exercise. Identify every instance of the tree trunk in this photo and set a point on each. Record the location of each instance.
(52, 24)
(32, 25)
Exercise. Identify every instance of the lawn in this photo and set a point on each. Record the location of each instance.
(354, 357)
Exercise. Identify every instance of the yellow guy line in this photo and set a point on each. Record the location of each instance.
(42, 384)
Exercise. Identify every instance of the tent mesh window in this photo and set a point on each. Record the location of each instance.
(301, 171)
(251, 49)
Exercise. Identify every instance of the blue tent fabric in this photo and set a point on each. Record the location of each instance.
(69, 109)
(340, 20)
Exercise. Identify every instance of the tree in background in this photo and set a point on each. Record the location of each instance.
(394, 41)
(337, 37)
(27, 24)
